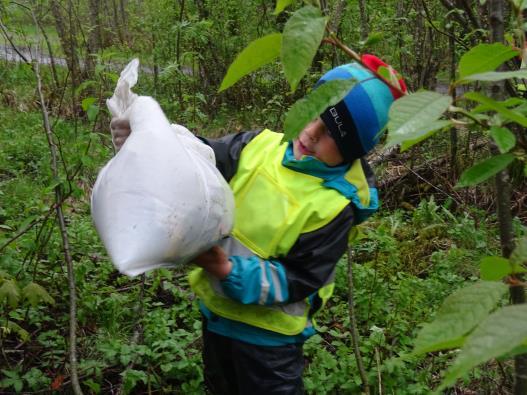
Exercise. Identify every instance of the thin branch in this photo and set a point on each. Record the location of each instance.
(432, 185)
(64, 235)
(29, 226)
(450, 7)
(8, 37)
(431, 22)
(473, 18)
(353, 325)
(379, 376)
(333, 40)
(138, 330)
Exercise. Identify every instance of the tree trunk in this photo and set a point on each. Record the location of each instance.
(454, 169)
(95, 36)
(419, 36)
(363, 20)
(117, 23)
(178, 51)
(66, 33)
(124, 19)
(503, 197)
(400, 39)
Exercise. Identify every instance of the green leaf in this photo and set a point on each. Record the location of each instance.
(281, 5)
(87, 102)
(483, 58)
(35, 294)
(494, 76)
(10, 292)
(416, 136)
(92, 112)
(494, 268)
(21, 332)
(95, 387)
(390, 76)
(510, 102)
(27, 222)
(519, 255)
(503, 137)
(406, 145)
(4, 275)
(521, 349)
(411, 116)
(498, 107)
(303, 33)
(483, 170)
(499, 333)
(312, 105)
(459, 314)
(258, 53)
(373, 38)
(131, 377)
(520, 4)
(85, 85)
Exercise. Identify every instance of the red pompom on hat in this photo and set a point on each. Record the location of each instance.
(373, 63)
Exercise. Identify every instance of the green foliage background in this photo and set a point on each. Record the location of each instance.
(143, 335)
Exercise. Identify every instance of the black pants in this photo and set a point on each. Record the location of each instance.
(233, 367)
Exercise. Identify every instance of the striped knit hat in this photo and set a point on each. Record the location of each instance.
(355, 122)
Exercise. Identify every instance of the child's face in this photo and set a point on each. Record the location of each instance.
(316, 141)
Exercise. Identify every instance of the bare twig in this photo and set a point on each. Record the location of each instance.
(8, 37)
(432, 24)
(63, 232)
(378, 362)
(138, 330)
(353, 324)
(29, 226)
(433, 186)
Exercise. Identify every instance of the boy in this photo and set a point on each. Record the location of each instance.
(296, 203)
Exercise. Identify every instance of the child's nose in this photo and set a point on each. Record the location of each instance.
(313, 137)
(314, 134)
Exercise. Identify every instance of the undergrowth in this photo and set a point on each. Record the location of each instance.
(144, 334)
(406, 263)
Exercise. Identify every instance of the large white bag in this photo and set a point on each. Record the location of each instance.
(160, 200)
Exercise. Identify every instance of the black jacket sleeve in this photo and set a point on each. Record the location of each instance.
(228, 149)
(312, 259)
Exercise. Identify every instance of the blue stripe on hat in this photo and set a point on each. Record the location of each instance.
(363, 113)
(381, 99)
(347, 71)
(359, 72)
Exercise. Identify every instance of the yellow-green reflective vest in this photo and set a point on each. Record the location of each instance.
(274, 205)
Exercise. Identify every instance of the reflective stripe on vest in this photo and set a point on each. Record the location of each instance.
(289, 319)
(274, 206)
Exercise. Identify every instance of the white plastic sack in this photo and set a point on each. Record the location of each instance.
(160, 200)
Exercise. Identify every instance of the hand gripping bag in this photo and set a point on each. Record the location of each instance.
(160, 200)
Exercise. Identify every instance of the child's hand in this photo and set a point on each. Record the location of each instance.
(215, 262)
(120, 129)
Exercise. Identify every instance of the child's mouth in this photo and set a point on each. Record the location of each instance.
(303, 149)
